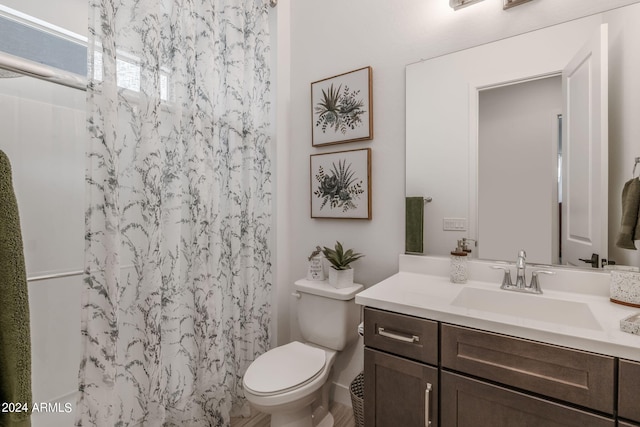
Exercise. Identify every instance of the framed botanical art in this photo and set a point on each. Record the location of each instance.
(342, 108)
(511, 3)
(341, 184)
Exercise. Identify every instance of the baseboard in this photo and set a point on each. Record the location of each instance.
(340, 393)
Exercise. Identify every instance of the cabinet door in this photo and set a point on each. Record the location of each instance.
(398, 391)
(466, 402)
(628, 390)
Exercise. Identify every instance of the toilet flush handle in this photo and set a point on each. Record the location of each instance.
(296, 294)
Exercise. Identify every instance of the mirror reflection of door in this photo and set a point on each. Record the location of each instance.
(518, 138)
(585, 159)
(542, 142)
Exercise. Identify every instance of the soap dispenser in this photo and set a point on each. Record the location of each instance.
(465, 245)
(459, 271)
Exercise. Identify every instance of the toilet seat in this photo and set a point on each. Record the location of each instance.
(284, 368)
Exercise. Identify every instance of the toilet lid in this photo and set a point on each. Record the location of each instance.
(284, 367)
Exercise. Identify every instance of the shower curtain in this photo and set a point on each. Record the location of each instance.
(177, 282)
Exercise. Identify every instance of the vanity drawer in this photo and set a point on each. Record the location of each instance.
(574, 376)
(468, 402)
(629, 390)
(400, 334)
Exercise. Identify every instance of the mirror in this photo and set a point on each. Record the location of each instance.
(491, 196)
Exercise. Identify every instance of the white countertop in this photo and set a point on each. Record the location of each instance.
(418, 292)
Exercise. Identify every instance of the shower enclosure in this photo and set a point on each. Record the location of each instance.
(44, 135)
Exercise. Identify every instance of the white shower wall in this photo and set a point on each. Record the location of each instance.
(44, 136)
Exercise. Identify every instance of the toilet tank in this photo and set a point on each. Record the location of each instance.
(327, 316)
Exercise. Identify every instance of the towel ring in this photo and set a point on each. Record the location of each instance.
(634, 166)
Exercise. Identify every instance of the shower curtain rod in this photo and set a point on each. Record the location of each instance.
(40, 71)
(54, 276)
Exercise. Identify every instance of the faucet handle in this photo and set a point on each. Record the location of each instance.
(535, 284)
(506, 279)
(522, 259)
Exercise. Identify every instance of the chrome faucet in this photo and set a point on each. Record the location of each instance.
(521, 266)
(521, 284)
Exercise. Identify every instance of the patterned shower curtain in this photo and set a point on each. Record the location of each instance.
(176, 302)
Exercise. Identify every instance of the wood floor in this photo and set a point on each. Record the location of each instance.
(342, 416)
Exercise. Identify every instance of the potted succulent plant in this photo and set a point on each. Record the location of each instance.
(340, 273)
(315, 272)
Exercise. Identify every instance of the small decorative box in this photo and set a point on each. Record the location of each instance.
(625, 287)
(631, 324)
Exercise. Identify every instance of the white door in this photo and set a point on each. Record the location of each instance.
(585, 153)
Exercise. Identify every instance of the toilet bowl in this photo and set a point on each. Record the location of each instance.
(286, 381)
(290, 382)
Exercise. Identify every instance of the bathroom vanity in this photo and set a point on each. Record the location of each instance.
(438, 353)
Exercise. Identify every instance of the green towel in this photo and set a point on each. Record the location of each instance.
(414, 225)
(630, 225)
(636, 234)
(15, 340)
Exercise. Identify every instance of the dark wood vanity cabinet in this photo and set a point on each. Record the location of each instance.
(401, 373)
(419, 370)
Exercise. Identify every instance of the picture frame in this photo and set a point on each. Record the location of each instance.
(342, 108)
(508, 4)
(341, 184)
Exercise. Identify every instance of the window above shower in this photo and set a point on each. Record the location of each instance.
(39, 41)
(42, 43)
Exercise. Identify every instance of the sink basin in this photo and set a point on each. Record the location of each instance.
(535, 307)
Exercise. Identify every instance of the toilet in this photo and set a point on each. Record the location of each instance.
(290, 382)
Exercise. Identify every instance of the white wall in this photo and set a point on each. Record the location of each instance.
(281, 74)
(335, 36)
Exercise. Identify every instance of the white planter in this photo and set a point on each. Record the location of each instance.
(341, 278)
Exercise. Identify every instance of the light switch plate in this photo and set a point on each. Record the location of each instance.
(454, 224)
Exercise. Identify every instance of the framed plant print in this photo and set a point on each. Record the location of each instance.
(511, 3)
(342, 108)
(341, 184)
